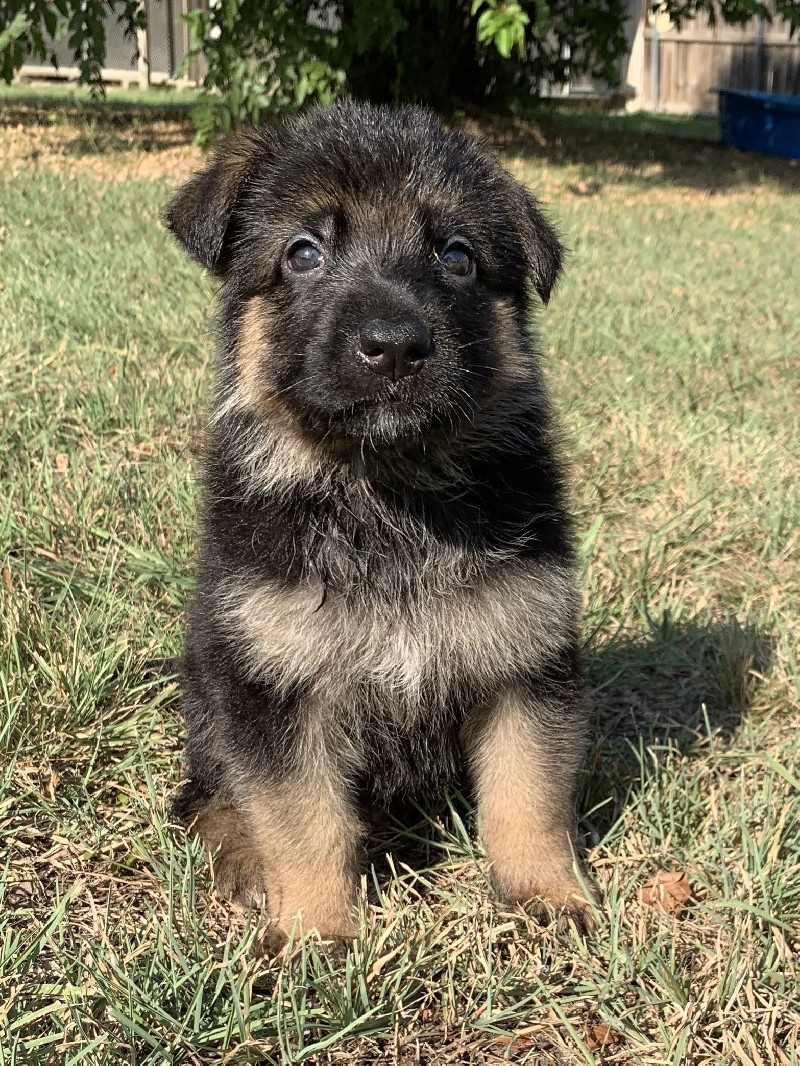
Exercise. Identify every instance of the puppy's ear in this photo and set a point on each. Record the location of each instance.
(543, 249)
(201, 215)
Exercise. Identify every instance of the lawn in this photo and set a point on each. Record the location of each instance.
(672, 353)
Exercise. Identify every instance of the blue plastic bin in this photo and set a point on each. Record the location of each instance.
(760, 122)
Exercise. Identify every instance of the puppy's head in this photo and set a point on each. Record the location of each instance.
(376, 271)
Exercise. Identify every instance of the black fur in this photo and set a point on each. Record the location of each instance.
(408, 494)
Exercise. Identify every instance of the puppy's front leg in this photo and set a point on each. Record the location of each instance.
(525, 750)
(291, 843)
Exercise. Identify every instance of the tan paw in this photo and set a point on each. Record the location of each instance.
(565, 900)
(335, 932)
(239, 876)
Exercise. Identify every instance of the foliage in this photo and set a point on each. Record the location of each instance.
(736, 12)
(502, 25)
(260, 57)
(31, 27)
(277, 56)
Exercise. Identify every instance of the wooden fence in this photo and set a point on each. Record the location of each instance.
(682, 68)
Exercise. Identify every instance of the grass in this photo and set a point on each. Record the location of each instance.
(671, 350)
(69, 97)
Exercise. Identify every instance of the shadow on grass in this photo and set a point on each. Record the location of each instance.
(675, 688)
(41, 102)
(98, 127)
(644, 149)
(670, 690)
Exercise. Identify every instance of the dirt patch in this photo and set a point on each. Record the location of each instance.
(559, 156)
(154, 148)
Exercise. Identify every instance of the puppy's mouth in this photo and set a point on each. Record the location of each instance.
(394, 419)
(399, 396)
(395, 394)
(384, 418)
(391, 396)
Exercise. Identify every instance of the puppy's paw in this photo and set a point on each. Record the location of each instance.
(237, 864)
(335, 935)
(240, 876)
(293, 910)
(574, 910)
(565, 900)
(298, 898)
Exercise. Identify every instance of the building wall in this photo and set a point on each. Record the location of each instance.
(155, 55)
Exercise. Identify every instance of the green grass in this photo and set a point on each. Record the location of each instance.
(671, 349)
(634, 123)
(67, 96)
(43, 96)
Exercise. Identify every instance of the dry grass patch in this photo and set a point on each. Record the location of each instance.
(65, 130)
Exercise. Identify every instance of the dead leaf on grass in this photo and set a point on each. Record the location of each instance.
(669, 889)
(62, 462)
(600, 1036)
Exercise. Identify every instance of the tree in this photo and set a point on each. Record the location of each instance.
(28, 27)
(275, 56)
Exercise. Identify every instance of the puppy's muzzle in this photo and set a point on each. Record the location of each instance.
(394, 347)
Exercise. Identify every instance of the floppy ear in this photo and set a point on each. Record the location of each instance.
(544, 249)
(201, 215)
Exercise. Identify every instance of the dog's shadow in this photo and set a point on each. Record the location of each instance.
(671, 690)
(675, 689)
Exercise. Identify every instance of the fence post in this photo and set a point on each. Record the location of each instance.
(143, 57)
(759, 52)
(655, 72)
(635, 70)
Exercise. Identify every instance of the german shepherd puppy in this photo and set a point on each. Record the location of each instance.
(385, 592)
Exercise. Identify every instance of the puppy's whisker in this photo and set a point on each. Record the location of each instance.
(469, 344)
(268, 397)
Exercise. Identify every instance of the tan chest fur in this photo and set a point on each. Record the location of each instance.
(481, 634)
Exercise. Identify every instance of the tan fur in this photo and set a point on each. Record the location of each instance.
(278, 457)
(218, 821)
(509, 411)
(277, 454)
(489, 630)
(524, 791)
(516, 367)
(235, 160)
(251, 350)
(292, 847)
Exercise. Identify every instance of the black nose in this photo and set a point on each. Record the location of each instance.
(394, 347)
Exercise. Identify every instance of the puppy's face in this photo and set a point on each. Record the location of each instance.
(376, 270)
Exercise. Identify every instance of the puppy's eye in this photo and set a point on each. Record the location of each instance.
(457, 258)
(303, 256)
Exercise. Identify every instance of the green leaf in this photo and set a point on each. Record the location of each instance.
(17, 28)
(503, 41)
(50, 17)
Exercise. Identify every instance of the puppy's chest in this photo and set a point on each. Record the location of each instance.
(434, 631)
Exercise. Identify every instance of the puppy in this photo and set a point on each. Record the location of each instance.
(385, 592)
